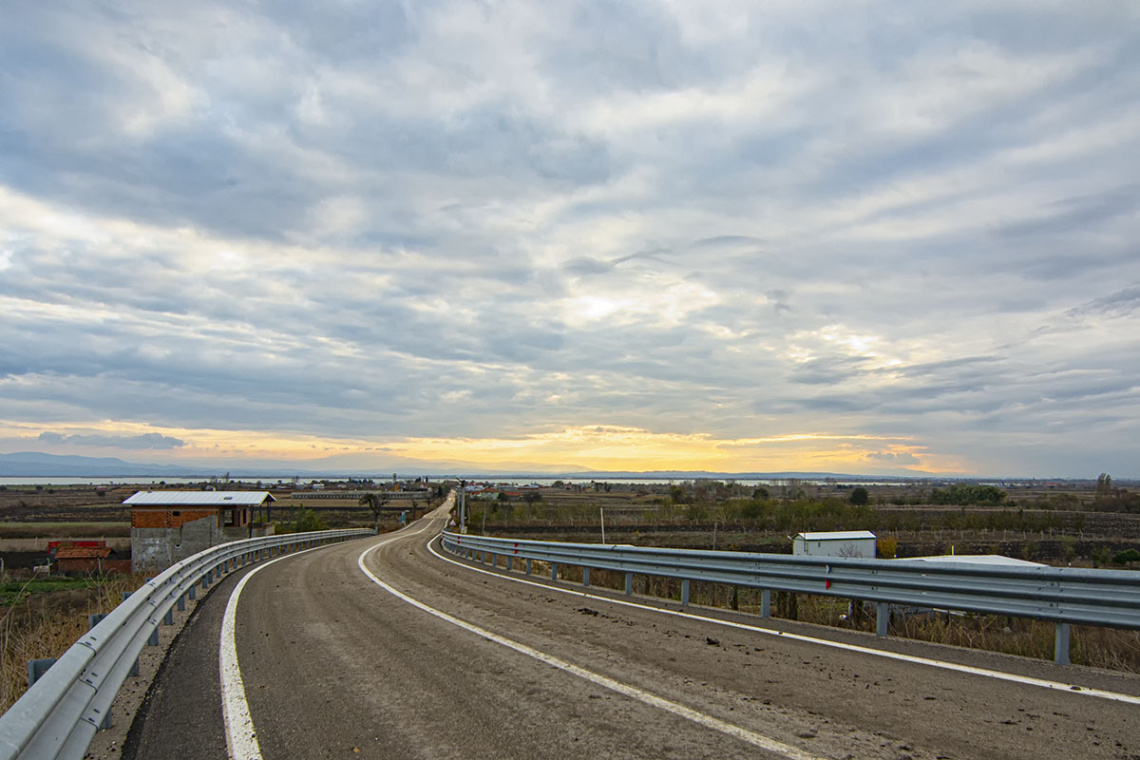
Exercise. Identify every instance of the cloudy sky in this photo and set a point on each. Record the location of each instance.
(855, 237)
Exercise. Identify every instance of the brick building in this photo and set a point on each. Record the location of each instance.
(84, 560)
(169, 526)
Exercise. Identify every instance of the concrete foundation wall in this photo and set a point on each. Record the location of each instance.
(155, 549)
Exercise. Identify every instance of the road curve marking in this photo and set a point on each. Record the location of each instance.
(751, 737)
(984, 672)
(241, 737)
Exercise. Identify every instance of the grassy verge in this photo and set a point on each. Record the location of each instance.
(91, 529)
(45, 623)
(14, 591)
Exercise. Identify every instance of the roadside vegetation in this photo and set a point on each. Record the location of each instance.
(42, 617)
(1093, 527)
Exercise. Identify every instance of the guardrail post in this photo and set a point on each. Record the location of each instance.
(125, 595)
(1061, 642)
(37, 668)
(586, 576)
(168, 618)
(553, 571)
(509, 562)
(685, 592)
(494, 560)
(192, 592)
(152, 639)
(528, 565)
(182, 603)
(882, 619)
(629, 584)
(93, 620)
(766, 603)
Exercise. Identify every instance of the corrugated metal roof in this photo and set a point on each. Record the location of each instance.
(837, 535)
(975, 559)
(199, 498)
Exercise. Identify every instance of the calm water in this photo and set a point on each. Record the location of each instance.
(57, 481)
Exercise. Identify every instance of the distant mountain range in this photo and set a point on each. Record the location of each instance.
(40, 465)
(34, 464)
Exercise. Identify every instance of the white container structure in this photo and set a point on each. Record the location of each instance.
(842, 543)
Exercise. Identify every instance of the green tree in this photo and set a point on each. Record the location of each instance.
(1127, 556)
(308, 521)
(962, 494)
(859, 497)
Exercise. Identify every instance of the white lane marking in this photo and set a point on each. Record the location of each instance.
(996, 674)
(755, 739)
(241, 737)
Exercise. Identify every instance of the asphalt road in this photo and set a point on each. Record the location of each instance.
(336, 665)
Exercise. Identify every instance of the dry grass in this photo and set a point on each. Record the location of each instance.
(1098, 647)
(46, 625)
(1107, 648)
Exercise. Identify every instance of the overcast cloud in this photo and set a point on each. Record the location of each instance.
(863, 237)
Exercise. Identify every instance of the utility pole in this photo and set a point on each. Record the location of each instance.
(463, 506)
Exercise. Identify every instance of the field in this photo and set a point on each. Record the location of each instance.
(1060, 524)
(718, 516)
(728, 517)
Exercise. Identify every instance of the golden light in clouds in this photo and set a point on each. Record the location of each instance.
(594, 447)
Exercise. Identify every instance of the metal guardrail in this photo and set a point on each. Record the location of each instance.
(59, 714)
(1063, 595)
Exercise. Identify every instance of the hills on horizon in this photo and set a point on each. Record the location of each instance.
(42, 465)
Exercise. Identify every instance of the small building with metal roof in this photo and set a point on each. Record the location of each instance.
(839, 543)
(168, 526)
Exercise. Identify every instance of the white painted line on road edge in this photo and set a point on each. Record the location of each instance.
(241, 737)
(755, 739)
(984, 672)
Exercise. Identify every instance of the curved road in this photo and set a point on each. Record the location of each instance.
(380, 648)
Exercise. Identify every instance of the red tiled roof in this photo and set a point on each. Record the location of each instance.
(83, 552)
